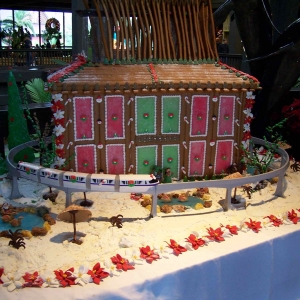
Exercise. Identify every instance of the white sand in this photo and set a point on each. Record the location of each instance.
(102, 241)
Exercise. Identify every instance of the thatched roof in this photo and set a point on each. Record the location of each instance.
(158, 29)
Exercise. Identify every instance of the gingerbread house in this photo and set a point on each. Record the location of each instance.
(164, 101)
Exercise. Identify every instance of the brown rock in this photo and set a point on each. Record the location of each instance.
(166, 208)
(38, 231)
(179, 208)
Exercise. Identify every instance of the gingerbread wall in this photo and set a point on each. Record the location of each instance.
(195, 130)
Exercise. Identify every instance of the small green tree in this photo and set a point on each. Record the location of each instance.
(262, 159)
(17, 125)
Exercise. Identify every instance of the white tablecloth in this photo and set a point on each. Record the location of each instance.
(254, 266)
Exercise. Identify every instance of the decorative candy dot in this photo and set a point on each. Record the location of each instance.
(83, 118)
(114, 161)
(114, 117)
(99, 121)
(196, 158)
(224, 157)
(226, 117)
(171, 115)
(214, 118)
(85, 164)
(210, 166)
(146, 162)
(146, 115)
(170, 159)
(199, 117)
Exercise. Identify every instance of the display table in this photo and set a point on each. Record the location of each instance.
(262, 265)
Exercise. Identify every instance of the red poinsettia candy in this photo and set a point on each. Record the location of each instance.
(292, 216)
(196, 242)
(121, 263)
(32, 280)
(98, 273)
(276, 222)
(65, 278)
(148, 254)
(215, 235)
(232, 229)
(254, 225)
(176, 248)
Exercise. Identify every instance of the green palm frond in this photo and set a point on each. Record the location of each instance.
(60, 62)
(35, 88)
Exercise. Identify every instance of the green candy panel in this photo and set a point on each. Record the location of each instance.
(145, 115)
(171, 159)
(171, 114)
(146, 159)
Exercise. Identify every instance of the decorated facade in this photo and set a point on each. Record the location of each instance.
(169, 105)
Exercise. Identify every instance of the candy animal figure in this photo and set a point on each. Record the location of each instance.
(116, 220)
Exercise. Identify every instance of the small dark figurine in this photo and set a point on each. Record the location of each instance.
(16, 241)
(248, 189)
(50, 195)
(116, 220)
(295, 166)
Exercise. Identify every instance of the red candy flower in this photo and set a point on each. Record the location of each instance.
(196, 243)
(254, 225)
(148, 254)
(32, 280)
(1, 273)
(98, 273)
(121, 263)
(232, 229)
(292, 215)
(215, 235)
(276, 222)
(65, 278)
(176, 248)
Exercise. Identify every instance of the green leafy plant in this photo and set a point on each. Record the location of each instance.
(261, 158)
(37, 92)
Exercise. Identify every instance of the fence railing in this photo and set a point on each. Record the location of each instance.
(47, 57)
(34, 57)
(232, 60)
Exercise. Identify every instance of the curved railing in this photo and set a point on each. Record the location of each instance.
(228, 184)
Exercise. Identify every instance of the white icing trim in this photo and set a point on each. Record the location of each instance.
(178, 155)
(136, 155)
(135, 112)
(95, 155)
(162, 113)
(106, 156)
(207, 116)
(123, 118)
(217, 144)
(232, 118)
(92, 118)
(203, 158)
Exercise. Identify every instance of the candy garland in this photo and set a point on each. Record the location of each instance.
(118, 264)
(248, 118)
(153, 73)
(69, 70)
(59, 121)
(238, 73)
